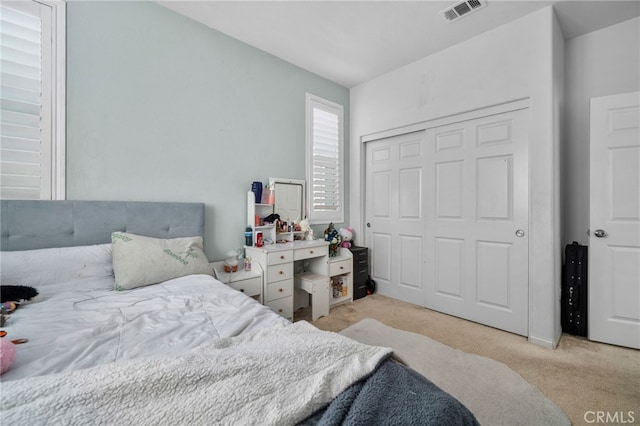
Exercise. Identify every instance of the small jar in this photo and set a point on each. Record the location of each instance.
(231, 265)
(247, 264)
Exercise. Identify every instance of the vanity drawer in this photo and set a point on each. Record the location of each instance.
(279, 272)
(279, 257)
(250, 287)
(310, 252)
(283, 307)
(341, 267)
(279, 290)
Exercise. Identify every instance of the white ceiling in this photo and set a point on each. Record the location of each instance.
(350, 42)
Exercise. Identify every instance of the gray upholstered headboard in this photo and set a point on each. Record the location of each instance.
(28, 225)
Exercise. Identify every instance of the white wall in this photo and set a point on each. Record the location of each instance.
(511, 62)
(163, 108)
(601, 63)
(558, 108)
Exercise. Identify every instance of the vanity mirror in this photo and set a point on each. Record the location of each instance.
(289, 198)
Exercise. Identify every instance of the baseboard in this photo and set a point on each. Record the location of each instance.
(546, 343)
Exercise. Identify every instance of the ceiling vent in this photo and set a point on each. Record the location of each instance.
(462, 8)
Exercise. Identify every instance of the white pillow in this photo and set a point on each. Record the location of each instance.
(140, 261)
(45, 267)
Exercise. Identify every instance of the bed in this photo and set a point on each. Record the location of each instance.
(117, 336)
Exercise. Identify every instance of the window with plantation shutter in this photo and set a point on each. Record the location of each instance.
(325, 187)
(31, 109)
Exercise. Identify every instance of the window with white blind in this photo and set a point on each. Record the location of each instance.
(325, 178)
(32, 100)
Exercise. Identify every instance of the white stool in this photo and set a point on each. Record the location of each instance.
(318, 287)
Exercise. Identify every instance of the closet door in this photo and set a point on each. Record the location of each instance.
(394, 215)
(476, 223)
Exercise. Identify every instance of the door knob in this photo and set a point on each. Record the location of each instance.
(600, 233)
(519, 233)
(368, 225)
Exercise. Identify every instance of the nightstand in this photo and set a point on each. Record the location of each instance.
(248, 282)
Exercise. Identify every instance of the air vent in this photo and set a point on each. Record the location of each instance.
(462, 8)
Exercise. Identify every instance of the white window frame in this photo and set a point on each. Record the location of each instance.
(59, 94)
(317, 216)
(53, 179)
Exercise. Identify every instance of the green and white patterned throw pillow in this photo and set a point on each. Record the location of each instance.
(139, 261)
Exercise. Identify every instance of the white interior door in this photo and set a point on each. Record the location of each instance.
(614, 244)
(477, 220)
(394, 215)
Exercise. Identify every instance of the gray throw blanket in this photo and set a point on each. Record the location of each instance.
(393, 394)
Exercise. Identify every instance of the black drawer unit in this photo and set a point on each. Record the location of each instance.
(360, 271)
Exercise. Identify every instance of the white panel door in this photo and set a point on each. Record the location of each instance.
(394, 215)
(476, 234)
(614, 244)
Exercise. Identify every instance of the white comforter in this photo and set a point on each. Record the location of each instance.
(278, 375)
(85, 323)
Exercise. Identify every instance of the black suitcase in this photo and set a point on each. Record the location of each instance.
(574, 290)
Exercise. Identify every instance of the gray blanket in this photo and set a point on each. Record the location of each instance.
(393, 394)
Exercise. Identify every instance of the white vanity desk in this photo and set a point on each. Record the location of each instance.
(278, 261)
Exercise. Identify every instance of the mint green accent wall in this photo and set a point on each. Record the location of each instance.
(162, 108)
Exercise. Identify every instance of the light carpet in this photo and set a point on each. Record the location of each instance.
(495, 393)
